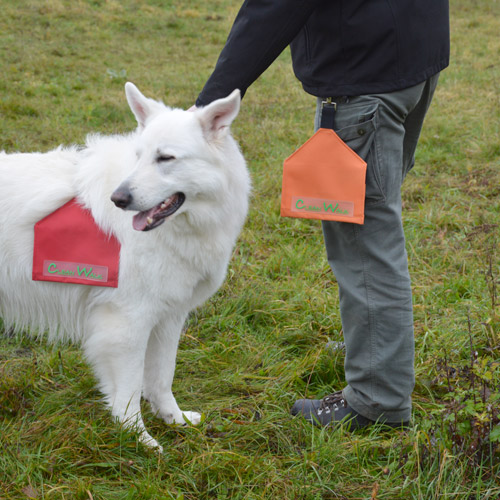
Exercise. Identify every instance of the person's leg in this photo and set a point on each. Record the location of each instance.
(370, 261)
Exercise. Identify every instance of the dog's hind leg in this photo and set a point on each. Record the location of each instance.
(116, 347)
(159, 373)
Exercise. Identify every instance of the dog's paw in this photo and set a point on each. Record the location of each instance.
(190, 417)
(150, 442)
(184, 418)
(178, 417)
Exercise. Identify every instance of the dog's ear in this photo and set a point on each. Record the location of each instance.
(216, 118)
(142, 107)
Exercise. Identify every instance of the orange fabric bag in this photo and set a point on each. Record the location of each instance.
(324, 179)
(69, 247)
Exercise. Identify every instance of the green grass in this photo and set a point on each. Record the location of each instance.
(259, 343)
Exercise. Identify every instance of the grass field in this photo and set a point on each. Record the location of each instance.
(260, 342)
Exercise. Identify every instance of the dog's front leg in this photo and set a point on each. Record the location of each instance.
(116, 347)
(159, 373)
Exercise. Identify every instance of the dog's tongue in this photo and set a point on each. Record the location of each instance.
(149, 219)
(140, 220)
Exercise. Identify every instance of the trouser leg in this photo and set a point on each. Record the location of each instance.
(370, 261)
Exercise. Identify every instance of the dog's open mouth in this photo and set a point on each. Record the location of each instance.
(149, 219)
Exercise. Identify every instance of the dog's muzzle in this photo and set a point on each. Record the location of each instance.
(153, 217)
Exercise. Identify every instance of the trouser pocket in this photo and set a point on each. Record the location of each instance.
(357, 126)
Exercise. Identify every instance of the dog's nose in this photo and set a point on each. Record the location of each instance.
(122, 197)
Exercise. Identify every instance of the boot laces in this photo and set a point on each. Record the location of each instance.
(333, 402)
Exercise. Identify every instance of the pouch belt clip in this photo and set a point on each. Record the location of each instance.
(329, 102)
(328, 110)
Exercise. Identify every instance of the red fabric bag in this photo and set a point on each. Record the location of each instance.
(70, 248)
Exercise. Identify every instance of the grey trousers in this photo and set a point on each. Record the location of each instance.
(370, 261)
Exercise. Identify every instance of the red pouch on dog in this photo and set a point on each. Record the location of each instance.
(70, 248)
(324, 179)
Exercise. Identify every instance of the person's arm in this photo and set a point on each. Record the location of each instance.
(261, 31)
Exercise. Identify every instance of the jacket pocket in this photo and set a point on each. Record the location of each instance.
(358, 131)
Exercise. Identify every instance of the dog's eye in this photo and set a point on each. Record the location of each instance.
(163, 158)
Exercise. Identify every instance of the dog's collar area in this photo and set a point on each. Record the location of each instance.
(154, 217)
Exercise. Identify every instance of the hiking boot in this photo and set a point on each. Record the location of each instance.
(334, 409)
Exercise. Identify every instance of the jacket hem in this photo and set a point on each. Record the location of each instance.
(366, 88)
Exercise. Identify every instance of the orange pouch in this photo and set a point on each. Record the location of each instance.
(324, 179)
(70, 248)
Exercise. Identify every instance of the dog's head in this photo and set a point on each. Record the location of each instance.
(180, 157)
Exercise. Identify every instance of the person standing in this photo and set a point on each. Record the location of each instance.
(378, 62)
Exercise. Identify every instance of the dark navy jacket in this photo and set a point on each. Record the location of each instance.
(339, 47)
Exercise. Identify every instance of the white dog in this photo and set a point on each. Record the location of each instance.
(184, 176)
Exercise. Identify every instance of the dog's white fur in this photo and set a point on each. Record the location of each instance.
(130, 334)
